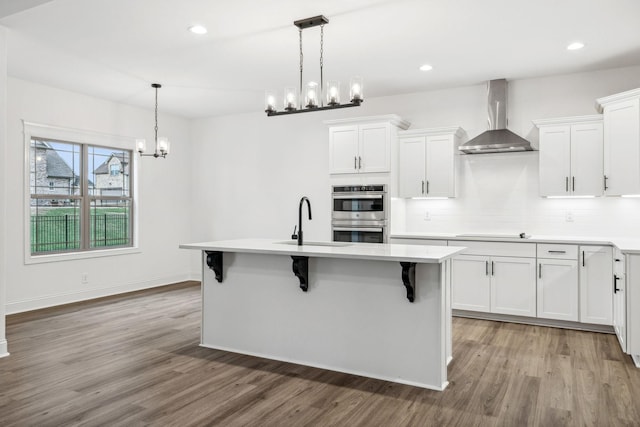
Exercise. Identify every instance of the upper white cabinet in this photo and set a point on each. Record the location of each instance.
(362, 145)
(621, 142)
(596, 284)
(571, 155)
(427, 162)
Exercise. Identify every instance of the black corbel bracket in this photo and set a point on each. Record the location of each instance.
(214, 261)
(301, 270)
(409, 278)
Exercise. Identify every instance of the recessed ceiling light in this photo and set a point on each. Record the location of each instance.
(198, 29)
(575, 46)
(426, 67)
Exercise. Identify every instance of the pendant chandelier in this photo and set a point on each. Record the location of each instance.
(315, 98)
(162, 143)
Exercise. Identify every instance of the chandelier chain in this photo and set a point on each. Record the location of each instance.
(301, 62)
(156, 116)
(321, 64)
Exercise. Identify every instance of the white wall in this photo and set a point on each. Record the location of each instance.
(251, 170)
(3, 163)
(164, 201)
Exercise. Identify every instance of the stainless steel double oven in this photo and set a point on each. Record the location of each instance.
(359, 213)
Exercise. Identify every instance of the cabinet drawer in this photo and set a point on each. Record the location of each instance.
(475, 247)
(546, 250)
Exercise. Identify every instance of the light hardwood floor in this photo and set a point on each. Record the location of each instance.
(134, 360)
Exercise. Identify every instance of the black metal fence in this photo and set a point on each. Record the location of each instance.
(62, 232)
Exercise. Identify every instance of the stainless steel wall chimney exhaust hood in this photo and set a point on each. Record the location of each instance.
(498, 139)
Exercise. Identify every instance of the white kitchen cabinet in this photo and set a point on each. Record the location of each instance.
(596, 285)
(632, 291)
(557, 289)
(513, 286)
(494, 283)
(427, 162)
(362, 145)
(571, 156)
(619, 299)
(470, 283)
(621, 142)
(557, 281)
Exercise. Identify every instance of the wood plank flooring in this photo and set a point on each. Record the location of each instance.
(134, 360)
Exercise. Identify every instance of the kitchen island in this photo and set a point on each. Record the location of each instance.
(376, 310)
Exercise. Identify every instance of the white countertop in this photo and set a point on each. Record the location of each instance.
(627, 245)
(368, 251)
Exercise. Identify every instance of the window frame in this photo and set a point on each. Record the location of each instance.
(85, 139)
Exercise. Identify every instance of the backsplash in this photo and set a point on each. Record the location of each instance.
(498, 193)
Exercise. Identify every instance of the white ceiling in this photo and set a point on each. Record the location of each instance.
(114, 49)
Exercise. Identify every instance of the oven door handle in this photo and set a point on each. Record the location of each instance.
(363, 196)
(366, 229)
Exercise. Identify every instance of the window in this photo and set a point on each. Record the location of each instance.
(80, 197)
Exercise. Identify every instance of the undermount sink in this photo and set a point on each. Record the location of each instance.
(295, 242)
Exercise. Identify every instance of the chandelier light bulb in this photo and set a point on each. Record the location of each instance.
(269, 101)
(290, 98)
(356, 89)
(333, 93)
(141, 145)
(311, 99)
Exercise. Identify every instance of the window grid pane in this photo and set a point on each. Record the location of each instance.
(110, 223)
(54, 228)
(55, 167)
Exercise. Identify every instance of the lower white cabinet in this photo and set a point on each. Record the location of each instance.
(504, 285)
(557, 289)
(596, 285)
(513, 286)
(470, 283)
(620, 299)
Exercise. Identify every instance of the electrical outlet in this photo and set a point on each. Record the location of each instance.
(427, 216)
(84, 278)
(568, 216)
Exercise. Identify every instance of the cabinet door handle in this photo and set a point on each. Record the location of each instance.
(493, 270)
(557, 252)
(359, 162)
(486, 268)
(605, 183)
(355, 162)
(566, 184)
(422, 187)
(540, 271)
(615, 284)
(573, 183)
(583, 258)
(427, 186)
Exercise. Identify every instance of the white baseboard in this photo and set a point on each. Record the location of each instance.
(4, 351)
(535, 321)
(70, 297)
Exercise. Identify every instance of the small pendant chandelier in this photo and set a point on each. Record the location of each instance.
(162, 143)
(315, 99)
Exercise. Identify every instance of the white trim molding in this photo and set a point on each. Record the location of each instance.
(35, 130)
(4, 352)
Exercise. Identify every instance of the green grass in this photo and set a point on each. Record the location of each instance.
(58, 229)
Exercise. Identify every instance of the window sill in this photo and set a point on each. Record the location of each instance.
(39, 259)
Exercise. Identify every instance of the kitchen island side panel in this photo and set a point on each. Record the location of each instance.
(355, 317)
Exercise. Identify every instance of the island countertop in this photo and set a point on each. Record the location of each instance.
(365, 251)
